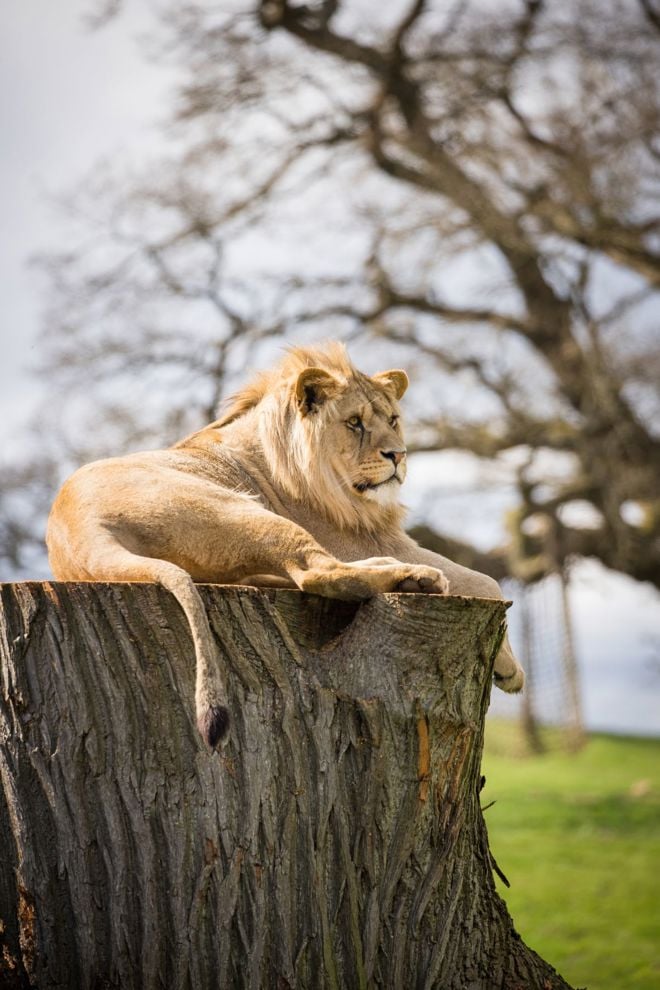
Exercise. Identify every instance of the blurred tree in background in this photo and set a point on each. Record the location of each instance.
(470, 189)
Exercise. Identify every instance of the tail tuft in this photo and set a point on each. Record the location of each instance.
(213, 725)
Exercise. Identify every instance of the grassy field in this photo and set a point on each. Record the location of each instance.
(578, 837)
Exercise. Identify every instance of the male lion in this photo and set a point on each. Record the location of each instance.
(296, 484)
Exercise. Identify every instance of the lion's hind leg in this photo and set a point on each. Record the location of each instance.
(509, 675)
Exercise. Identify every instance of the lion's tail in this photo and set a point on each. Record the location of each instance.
(210, 695)
(109, 560)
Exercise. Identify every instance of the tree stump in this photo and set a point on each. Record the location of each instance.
(336, 842)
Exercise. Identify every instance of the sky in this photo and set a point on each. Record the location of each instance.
(69, 98)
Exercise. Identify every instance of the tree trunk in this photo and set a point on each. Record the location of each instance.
(336, 842)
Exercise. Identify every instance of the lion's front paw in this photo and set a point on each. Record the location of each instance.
(361, 579)
(424, 580)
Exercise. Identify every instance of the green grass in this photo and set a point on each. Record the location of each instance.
(578, 837)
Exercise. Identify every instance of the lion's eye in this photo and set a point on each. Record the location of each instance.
(394, 420)
(354, 422)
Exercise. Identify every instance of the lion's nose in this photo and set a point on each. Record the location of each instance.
(396, 456)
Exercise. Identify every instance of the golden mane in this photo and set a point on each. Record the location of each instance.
(302, 460)
(332, 357)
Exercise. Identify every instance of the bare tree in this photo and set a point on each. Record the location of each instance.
(473, 185)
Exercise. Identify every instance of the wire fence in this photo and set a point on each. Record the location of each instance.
(548, 714)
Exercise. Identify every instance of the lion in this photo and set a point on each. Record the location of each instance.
(297, 485)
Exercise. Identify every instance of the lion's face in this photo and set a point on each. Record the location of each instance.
(347, 439)
(362, 439)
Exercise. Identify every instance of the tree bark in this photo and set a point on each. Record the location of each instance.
(336, 842)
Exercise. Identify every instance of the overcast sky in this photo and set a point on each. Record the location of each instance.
(69, 97)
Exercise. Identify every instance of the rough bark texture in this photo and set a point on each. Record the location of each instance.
(336, 842)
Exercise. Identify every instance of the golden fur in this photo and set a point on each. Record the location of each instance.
(297, 483)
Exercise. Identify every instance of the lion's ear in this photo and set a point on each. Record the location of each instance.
(395, 381)
(313, 388)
